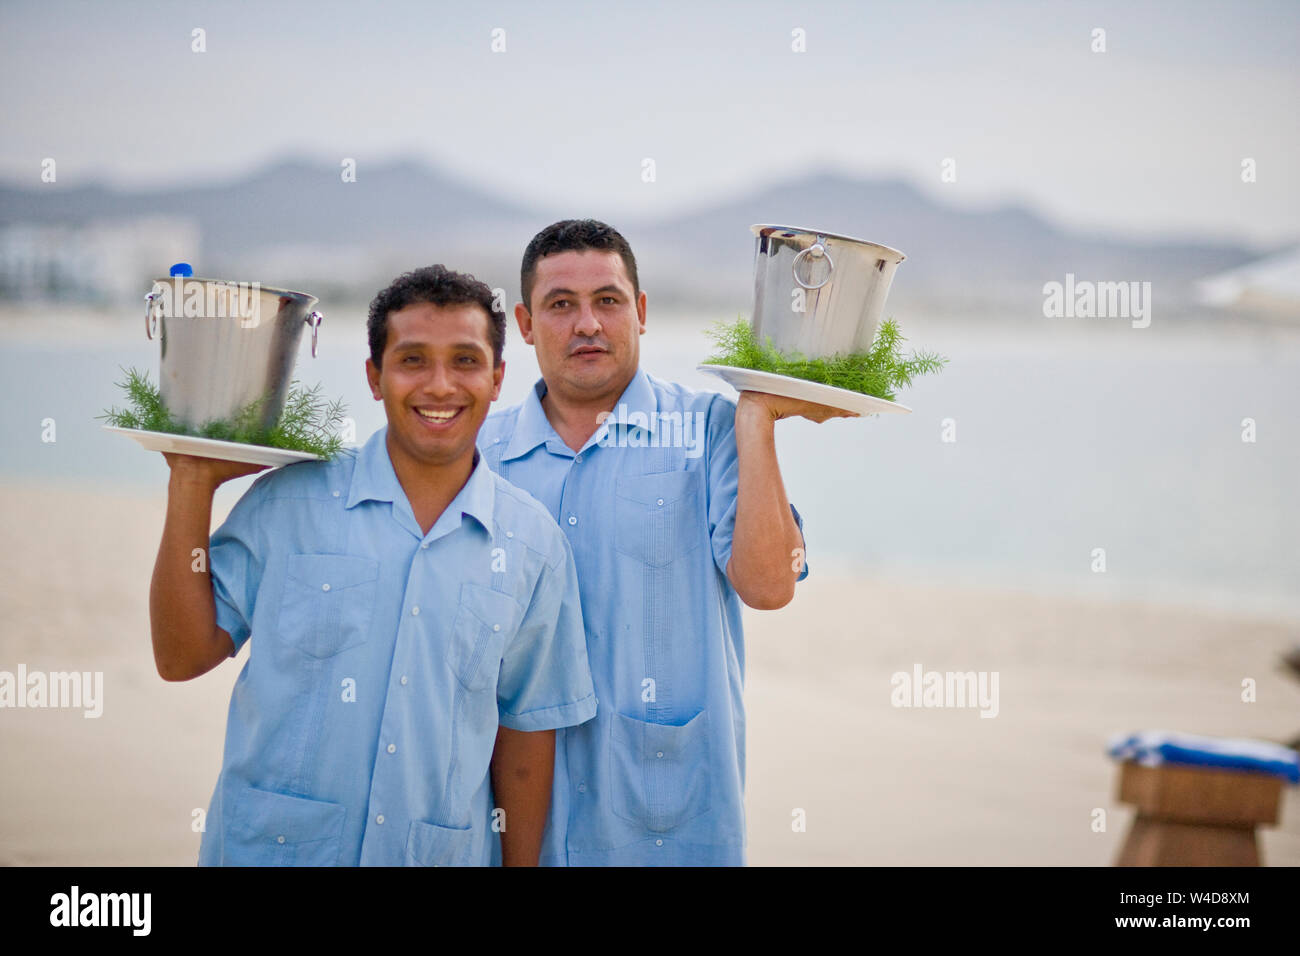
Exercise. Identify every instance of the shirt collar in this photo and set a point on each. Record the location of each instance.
(373, 479)
(637, 407)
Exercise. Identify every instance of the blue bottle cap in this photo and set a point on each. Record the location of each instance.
(183, 269)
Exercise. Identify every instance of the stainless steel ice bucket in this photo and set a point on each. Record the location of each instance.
(818, 293)
(226, 345)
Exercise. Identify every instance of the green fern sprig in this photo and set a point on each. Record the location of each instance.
(307, 424)
(879, 371)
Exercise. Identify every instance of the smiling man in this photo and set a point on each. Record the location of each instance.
(416, 621)
(672, 528)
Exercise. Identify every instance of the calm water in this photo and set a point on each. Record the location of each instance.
(1067, 440)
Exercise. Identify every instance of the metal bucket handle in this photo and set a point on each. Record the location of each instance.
(150, 314)
(314, 321)
(817, 251)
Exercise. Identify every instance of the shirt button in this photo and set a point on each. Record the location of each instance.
(336, 494)
(659, 842)
(579, 458)
(510, 534)
(659, 754)
(660, 501)
(573, 519)
(324, 587)
(416, 609)
(403, 678)
(380, 819)
(496, 627)
(279, 839)
(392, 749)
(424, 544)
(582, 788)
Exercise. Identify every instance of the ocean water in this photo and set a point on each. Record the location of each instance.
(1068, 439)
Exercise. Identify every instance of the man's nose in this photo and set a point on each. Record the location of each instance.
(439, 382)
(587, 323)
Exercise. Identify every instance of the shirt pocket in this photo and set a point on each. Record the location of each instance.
(659, 772)
(658, 518)
(276, 829)
(428, 844)
(328, 602)
(484, 620)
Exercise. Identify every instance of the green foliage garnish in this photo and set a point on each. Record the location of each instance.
(307, 424)
(880, 371)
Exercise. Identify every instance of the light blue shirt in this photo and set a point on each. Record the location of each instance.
(649, 508)
(362, 727)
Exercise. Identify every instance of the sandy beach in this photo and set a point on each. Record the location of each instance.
(876, 784)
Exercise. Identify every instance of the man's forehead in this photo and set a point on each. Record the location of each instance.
(581, 270)
(423, 323)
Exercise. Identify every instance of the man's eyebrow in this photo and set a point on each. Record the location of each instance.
(414, 346)
(603, 289)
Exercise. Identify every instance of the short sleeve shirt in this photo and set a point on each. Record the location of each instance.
(649, 508)
(382, 661)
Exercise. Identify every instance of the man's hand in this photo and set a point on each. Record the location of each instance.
(779, 407)
(208, 471)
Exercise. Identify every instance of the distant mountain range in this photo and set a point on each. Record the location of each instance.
(296, 223)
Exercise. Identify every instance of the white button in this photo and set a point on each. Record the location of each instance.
(380, 819)
(659, 754)
(579, 458)
(573, 519)
(279, 839)
(661, 501)
(392, 748)
(324, 587)
(510, 534)
(416, 609)
(496, 627)
(496, 441)
(582, 788)
(403, 678)
(336, 494)
(659, 842)
(424, 544)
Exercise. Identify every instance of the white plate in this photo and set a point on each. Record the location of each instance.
(212, 448)
(747, 379)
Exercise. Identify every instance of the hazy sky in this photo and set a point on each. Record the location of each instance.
(1146, 138)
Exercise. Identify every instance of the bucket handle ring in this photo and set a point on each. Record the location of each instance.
(817, 250)
(150, 313)
(314, 321)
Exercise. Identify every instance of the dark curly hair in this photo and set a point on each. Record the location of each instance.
(574, 235)
(436, 285)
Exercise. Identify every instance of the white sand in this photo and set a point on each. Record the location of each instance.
(878, 784)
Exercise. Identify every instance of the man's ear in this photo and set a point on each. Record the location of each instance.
(498, 375)
(524, 318)
(640, 312)
(372, 376)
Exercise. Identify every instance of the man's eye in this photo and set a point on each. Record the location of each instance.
(609, 300)
(411, 358)
(559, 303)
(469, 360)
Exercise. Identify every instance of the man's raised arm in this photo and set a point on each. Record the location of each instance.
(182, 611)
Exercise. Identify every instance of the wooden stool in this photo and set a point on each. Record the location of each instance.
(1196, 816)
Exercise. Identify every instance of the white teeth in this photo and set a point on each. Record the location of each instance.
(439, 416)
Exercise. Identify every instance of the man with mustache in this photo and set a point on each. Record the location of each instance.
(416, 621)
(673, 504)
